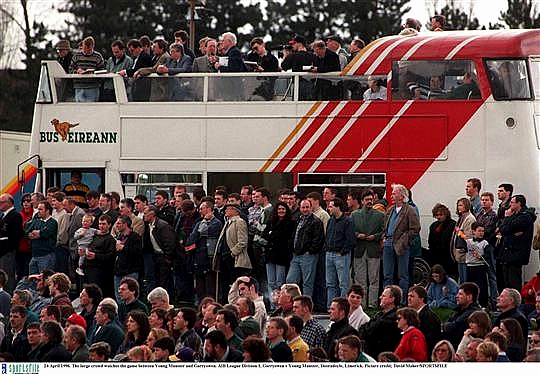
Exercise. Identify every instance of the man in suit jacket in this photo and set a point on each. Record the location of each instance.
(160, 250)
(205, 64)
(430, 324)
(140, 90)
(75, 342)
(401, 226)
(106, 329)
(235, 62)
(11, 231)
(217, 349)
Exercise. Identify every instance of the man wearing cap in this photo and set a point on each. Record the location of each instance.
(231, 258)
(63, 49)
(76, 319)
(334, 42)
(297, 60)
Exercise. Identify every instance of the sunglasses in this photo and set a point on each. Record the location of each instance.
(27, 200)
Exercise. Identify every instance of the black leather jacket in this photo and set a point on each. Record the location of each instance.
(310, 237)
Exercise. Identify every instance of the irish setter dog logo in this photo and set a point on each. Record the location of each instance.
(62, 128)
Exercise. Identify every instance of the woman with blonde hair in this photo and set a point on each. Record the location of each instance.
(462, 231)
(443, 352)
(487, 352)
(154, 335)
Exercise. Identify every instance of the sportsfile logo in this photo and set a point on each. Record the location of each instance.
(20, 368)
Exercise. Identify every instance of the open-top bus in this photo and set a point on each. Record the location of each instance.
(226, 129)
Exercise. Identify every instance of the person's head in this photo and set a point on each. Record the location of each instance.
(463, 206)
(211, 310)
(508, 299)
(355, 295)
(276, 329)
(281, 211)
(295, 325)
(215, 344)
(258, 46)
(504, 191)
(499, 339)
(315, 198)
(470, 351)
(87, 221)
(478, 230)
(443, 351)
(17, 317)
(473, 186)
(438, 274)
(255, 350)
(158, 318)
(486, 200)
(140, 201)
(349, 348)
(33, 334)
(105, 313)
(226, 321)
(63, 48)
(303, 307)
(336, 207)
(387, 357)
(412, 23)
(518, 203)
(137, 324)
(487, 352)
(44, 209)
(437, 22)
(467, 294)
(417, 297)
(104, 224)
(159, 297)
(59, 283)
(286, 295)
(339, 309)
(90, 295)
(373, 83)
(74, 338)
(356, 45)
(400, 194)
(390, 297)
(511, 329)
(99, 352)
(128, 289)
(319, 48)
(407, 317)
(246, 307)
(161, 199)
(231, 210)
(140, 353)
(163, 348)
(247, 287)
(35, 198)
(126, 206)
(150, 213)
(75, 320)
(479, 323)
(57, 200)
(105, 202)
(21, 297)
(535, 339)
(176, 51)
(353, 200)
(306, 207)
(159, 47)
(51, 332)
(88, 44)
(185, 319)
(228, 40)
(329, 193)
(118, 49)
(440, 212)
(533, 355)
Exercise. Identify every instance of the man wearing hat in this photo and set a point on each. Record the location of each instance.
(63, 49)
(76, 319)
(297, 60)
(231, 258)
(334, 42)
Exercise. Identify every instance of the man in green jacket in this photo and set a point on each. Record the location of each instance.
(368, 229)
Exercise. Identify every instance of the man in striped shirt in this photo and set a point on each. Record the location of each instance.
(87, 61)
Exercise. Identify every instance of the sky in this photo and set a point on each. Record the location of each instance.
(46, 11)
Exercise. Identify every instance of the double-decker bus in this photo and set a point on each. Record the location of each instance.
(459, 104)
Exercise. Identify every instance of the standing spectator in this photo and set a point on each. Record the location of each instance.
(339, 244)
(86, 61)
(42, 231)
(477, 267)
(11, 232)
(462, 231)
(368, 229)
(456, 325)
(117, 62)
(279, 233)
(63, 49)
(128, 256)
(517, 233)
(333, 43)
(307, 244)
(413, 343)
(439, 237)
(23, 254)
(295, 61)
(326, 61)
(381, 333)
(76, 214)
(472, 189)
(205, 63)
(401, 226)
(231, 258)
(76, 189)
(438, 23)
(234, 61)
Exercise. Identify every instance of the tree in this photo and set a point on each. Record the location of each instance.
(521, 14)
(457, 19)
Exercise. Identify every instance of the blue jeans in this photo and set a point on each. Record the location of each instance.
(38, 264)
(302, 271)
(337, 275)
(275, 275)
(87, 94)
(389, 263)
(462, 272)
(117, 279)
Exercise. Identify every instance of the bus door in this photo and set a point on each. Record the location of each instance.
(94, 178)
(535, 79)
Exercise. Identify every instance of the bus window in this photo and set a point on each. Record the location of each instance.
(154, 88)
(535, 75)
(65, 88)
(434, 80)
(508, 79)
(44, 89)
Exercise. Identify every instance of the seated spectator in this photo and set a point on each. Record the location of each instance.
(298, 346)
(479, 326)
(154, 335)
(129, 301)
(387, 357)
(467, 90)
(443, 352)
(99, 352)
(52, 347)
(217, 350)
(535, 339)
(533, 355)
(317, 355)
(421, 91)
(517, 345)
(255, 350)
(349, 349)
(376, 90)
(442, 290)
(487, 352)
(139, 353)
(163, 349)
(276, 332)
(75, 342)
(413, 343)
(357, 316)
(502, 343)
(137, 330)
(529, 295)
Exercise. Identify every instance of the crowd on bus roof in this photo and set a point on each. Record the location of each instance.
(146, 56)
(93, 276)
